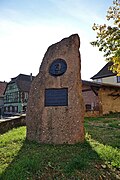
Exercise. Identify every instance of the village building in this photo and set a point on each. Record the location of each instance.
(2, 89)
(16, 94)
(100, 98)
(102, 95)
(105, 75)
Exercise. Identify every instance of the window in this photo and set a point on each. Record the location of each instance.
(11, 108)
(26, 96)
(99, 80)
(15, 97)
(118, 79)
(6, 109)
(11, 97)
(88, 107)
(16, 108)
(11, 86)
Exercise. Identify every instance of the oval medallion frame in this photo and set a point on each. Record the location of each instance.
(58, 67)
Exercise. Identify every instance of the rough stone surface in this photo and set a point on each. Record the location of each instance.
(57, 124)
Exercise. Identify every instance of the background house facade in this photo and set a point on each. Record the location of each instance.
(2, 89)
(16, 94)
(106, 76)
(90, 94)
(100, 98)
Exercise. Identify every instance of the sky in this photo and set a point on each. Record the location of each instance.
(29, 27)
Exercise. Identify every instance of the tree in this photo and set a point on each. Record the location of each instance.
(108, 37)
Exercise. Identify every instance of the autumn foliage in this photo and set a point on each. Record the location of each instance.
(108, 36)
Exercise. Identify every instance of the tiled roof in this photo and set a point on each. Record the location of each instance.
(2, 87)
(23, 82)
(98, 84)
(104, 72)
(22, 77)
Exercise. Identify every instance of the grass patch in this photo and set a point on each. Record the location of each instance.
(10, 143)
(105, 130)
(97, 158)
(37, 161)
(110, 155)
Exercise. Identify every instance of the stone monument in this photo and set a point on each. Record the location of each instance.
(55, 111)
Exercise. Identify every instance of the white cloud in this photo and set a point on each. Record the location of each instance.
(23, 44)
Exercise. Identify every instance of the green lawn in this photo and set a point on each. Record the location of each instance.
(105, 129)
(97, 158)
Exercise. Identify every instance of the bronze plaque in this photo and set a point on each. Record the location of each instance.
(56, 97)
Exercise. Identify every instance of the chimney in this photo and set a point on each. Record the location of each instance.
(31, 76)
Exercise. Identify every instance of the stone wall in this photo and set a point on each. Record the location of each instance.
(14, 122)
(109, 100)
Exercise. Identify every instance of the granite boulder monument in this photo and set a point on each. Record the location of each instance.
(55, 111)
